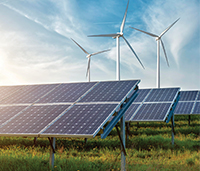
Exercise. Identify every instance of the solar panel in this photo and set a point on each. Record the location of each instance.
(196, 108)
(83, 119)
(70, 92)
(29, 94)
(7, 112)
(198, 97)
(142, 93)
(6, 91)
(110, 91)
(188, 103)
(130, 111)
(188, 95)
(33, 119)
(162, 95)
(82, 109)
(154, 104)
(184, 107)
(152, 112)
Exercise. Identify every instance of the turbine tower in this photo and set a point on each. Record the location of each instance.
(158, 39)
(117, 36)
(89, 56)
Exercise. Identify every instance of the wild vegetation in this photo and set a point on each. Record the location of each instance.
(148, 148)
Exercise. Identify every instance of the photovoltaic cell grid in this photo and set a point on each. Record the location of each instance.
(109, 91)
(87, 117)
(67, 93)
(6, 91)
(33, 120)
(153, 106)
(29, 94)
(35, 109)
(188, 103)
(81, 120)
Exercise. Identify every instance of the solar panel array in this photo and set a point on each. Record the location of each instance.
(152, 104)
(189, 103)
(59, 110)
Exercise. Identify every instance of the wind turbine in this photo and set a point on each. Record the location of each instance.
(158, 39)
(89, 56)
(117, 36)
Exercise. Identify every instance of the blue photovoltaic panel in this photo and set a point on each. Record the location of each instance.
(130, 111)
(154, 104)
(83, 119)
(198, 98)
(33, 119)
(142, 93)
(183, 108)
(112, 91)
(196, 110)
(152, 112)
(7, 112)
(32, 110)
(162, 95)
(29, 94)
(6, 91)
(188, 95)
(69, 92)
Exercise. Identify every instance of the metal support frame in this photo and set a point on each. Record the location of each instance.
(35, 139)
(173, 131)
(121, 141)
(116, 118)
(171, 116)
(127, 124)
(52, 141)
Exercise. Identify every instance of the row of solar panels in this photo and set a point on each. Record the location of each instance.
(78, 109)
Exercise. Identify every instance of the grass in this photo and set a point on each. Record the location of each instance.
(148, 148)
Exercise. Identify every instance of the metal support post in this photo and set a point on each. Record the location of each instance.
(127, 130)
(122, 134)
(85, 140)
(52, 141)
(173, 132)
(189, 120)
(35, 139)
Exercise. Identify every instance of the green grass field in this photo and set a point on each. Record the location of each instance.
(148, 148)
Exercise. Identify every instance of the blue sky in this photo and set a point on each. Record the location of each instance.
(35, 44)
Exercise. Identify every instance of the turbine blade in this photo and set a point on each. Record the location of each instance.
(124, 19)
(104, 35)
(133, 51)
(88, 67)
(80, 46)
(164, 52)
(153, 35)
(168, 28)
(100, 52)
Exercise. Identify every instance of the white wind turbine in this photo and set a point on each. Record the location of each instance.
(89, 56)
(117, 36)
(158, 39)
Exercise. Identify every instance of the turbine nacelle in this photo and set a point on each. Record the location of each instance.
(88, 56)
(158, 38)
